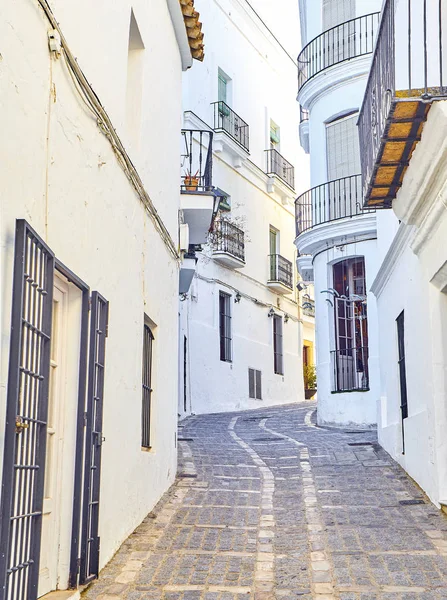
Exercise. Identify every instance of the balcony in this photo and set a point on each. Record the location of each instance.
(227, 121)
(344, 42)
(308, 306)
(350, 370)
(337, 199)
(278, 166)
(198, 196)
(228, 244)
(280, 274)
(408, 72)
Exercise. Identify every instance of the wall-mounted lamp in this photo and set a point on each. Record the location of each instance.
(286, 318)
(271, 313)
(300, 286)
(237, 298)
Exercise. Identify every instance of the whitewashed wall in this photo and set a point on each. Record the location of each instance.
(59, 172)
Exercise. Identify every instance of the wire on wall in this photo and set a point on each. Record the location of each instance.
(247, 296)
(105, 124)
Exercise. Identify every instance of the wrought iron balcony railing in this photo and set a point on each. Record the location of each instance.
(281, 270)
(348, 40)
(229, 239)
(225, 119)
(308, 306)
(278, 165)
(197, 167)
(350, 370)
(408, 72)
(330, 201)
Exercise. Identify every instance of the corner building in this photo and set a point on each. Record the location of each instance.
(336, 238)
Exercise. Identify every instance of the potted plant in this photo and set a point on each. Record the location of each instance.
(191, 182)
(310, 381)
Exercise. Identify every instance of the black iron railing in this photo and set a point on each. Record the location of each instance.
(350, 370)
(281, 270)
(304, 114)
(229, 239)
(278, 165)
(197, 163)
(348, 40)
(330, 201)
(225, 119)
(409, 63)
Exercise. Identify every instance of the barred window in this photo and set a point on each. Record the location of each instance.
(254, 384)
(278, 345)
(225, 326)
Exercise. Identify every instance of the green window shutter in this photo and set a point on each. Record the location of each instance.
(222, 91)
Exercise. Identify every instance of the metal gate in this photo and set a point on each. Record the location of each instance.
(94, 439)
(26, 416)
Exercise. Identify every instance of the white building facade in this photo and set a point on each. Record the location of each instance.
(337, 239)
(90, 266)
(403, 141)
(241, 337)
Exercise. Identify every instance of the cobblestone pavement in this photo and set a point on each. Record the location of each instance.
(268, 506)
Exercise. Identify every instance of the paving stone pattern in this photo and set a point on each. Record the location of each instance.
(269, 506)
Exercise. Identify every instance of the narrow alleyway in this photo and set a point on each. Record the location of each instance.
(270, 505)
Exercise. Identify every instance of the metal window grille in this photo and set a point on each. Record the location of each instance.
(350, 358)
(278, 345)
(229, 239)
(148, 339)
(225, 326)
(254, 384)
(93, 439)
(26, 416)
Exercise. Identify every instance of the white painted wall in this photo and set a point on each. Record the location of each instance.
(263, 87)
(413, 278)
(59, 172)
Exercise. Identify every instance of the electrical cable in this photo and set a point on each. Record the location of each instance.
(104, 123)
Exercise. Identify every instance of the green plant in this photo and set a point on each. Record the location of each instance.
(310, 377)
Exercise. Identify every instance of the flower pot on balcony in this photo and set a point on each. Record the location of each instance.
(191, 183)
(310, 393)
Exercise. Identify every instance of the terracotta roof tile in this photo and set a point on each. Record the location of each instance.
(193, 29)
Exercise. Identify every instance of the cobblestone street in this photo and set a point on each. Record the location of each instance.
(267, 505)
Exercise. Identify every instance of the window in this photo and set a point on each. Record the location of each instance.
(274, 240)
(401, 363)
(275, 136)
(336, 12)
(223, 85)
(278, 345)
(350, 357)
(148, 339)
(342, 148)
(254, 384)
(225, 326)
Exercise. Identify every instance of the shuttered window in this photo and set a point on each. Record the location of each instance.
(401, 363)
(254, 384)
(342, 148)
(278, 345)
(336, 12)
(225, 326)
(222, 87)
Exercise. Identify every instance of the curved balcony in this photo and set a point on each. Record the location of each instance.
(331, 201)
(344, 42)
